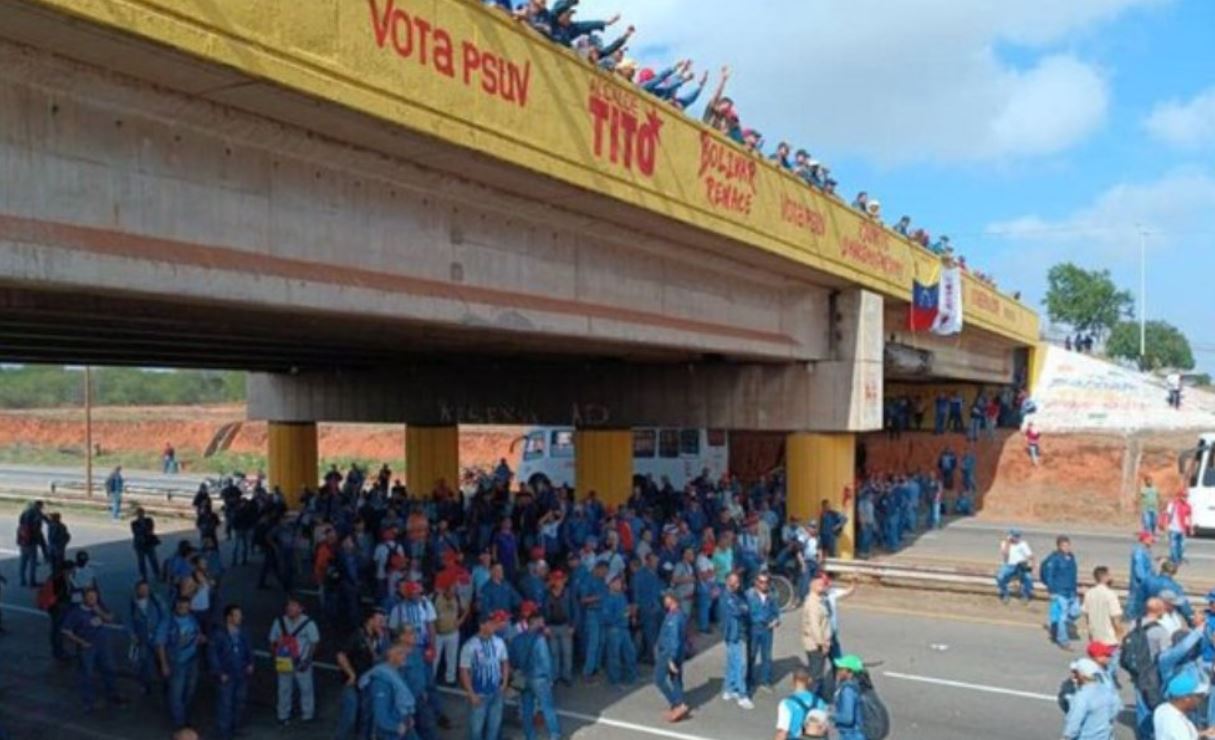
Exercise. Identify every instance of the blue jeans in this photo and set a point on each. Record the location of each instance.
(561, 645)
(651, 623)
(1063, 611)
(866, 538)
(968, 481)
(1144, 729)
(91, 662)
(761, 649)
(539, 692)
(485, 723)
(704, 605)
(348, 714)
(241, 546)
(1148, 521)
(1006, 575)
(934, 515)
(231, 705)
(116, 505)
(594, 644)
(146, 557)
(736, 669)
(29, 565)
(183, 680)
(670, 684)
(1176, 547)
(146, 670)
(620, 656)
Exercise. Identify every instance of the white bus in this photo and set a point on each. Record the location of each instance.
(1198, 465)
(679, 454)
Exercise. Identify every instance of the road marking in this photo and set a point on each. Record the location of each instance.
(7, 551)
(945, 617)
(971, 686)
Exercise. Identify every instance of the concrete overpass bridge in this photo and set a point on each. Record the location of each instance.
(417, 211)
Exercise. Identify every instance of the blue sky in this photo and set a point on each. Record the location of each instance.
(1031, 132)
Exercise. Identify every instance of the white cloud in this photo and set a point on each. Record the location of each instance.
(1188, 125)
(896, 82)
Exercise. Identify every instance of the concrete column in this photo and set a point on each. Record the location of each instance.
(432, 454)
(293, 458)
(604, 464)
(822, 467)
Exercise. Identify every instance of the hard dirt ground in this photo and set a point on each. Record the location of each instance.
(1085, 478)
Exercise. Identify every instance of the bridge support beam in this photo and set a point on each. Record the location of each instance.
(432, 454)
(293, 458)
(604, 464)
(822, 467)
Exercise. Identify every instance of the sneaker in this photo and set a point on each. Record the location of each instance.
(746, 703)
(727, 696)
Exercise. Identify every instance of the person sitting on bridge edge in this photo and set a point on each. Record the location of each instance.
(1058, 574)
(1017, 561)
(566, 30)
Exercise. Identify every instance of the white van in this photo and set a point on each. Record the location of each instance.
(1199, 465)
(679, 454)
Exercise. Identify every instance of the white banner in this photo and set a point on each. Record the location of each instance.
(949, 316)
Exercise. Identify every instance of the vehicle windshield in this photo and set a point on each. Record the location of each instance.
(533, 448)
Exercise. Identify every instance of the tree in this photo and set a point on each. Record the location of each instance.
(1167, 347)
(1086, 300)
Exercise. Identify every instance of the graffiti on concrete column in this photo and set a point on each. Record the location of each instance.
(580, 414)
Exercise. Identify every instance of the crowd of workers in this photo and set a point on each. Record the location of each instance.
(679, 85)
(512, 589)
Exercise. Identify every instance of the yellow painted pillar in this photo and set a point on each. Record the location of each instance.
(293, 458)
(822, 467)
(1037, 360)
(603, 463)
(432, 454)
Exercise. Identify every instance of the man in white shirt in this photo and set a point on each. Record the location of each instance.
(1184, 694)
(1017, 562)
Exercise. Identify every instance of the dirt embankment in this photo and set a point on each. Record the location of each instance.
(1091, 478)
(191, 430)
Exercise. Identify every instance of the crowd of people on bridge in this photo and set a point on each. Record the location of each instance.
(509, 589)
(679, 85)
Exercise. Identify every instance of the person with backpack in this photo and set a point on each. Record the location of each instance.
(294, 638)
(1058, 573)
(147, 612)
(1140, 649)
(29, 541)
(230, 656)
(793, 711)
(846, 709)
(145, 542)
(669, 654)
(531, 658)
(177, 645)
(1094, 707)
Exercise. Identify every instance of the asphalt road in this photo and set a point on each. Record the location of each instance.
(41, 478)
(976, 544)
(948, 667)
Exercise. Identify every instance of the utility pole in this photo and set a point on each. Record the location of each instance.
(88, 431)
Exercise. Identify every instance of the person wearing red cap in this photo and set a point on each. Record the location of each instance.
(559, 610)
(484, 676)
(450, 615)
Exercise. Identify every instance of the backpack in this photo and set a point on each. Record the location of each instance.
(806, 729)
(287, 650)
(875, 718)
(1067, 690)
(1136, 659)
(46, 598)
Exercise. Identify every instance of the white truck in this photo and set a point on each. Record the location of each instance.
(679, 454)
(1197, 466)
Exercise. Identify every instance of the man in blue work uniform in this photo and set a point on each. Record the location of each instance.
(831, 527)
(614, 616)
(1166, 580)
(947, 464)
(669, 657)
(734, 627)
(970, 465)
(417, 675)
(147, 612)
(1058, 574)
(114, 487)
(1142, 573)
(177, 644)
(497, 594)
(647, 596)
(391, 704)
(85, 625)
(591, 594)
(765, 616)
(537, 668)
(847, 705)
(230, 656)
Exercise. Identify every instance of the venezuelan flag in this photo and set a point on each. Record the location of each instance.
(925, 296)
